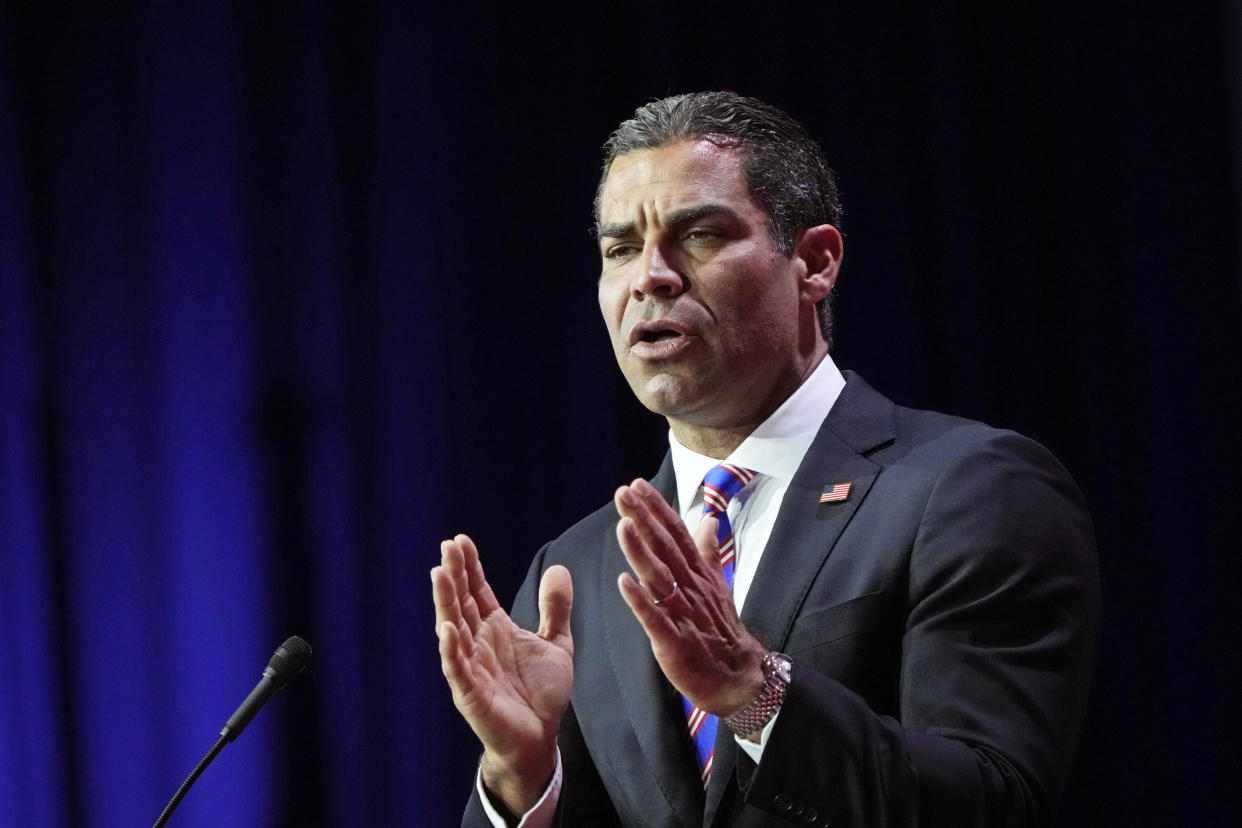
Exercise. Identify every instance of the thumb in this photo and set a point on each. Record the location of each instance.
(705, 540)
(556, 600)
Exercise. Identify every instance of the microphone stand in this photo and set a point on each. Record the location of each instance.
(190, 780)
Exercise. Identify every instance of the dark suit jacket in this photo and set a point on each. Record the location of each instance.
(942, 621)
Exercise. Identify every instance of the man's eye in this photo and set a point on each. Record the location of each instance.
(700, 234)
(619, 251)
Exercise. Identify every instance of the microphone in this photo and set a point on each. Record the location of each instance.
(289, 659)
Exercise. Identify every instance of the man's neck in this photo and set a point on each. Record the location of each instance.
(711, 442)
(720, 441)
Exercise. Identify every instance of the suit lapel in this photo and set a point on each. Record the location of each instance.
(805, 532)
(805, 529)
(671, 784)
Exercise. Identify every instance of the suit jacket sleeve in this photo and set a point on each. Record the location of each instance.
(1001, 620)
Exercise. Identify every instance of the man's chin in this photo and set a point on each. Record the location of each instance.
(665, 394)
(672, 396)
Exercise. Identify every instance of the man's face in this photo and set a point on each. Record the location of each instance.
(706, 317)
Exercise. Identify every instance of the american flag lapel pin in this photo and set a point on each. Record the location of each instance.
(834, 493)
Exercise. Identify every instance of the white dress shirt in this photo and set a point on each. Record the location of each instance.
(774, 451)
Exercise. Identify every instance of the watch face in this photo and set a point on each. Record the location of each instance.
(782, 667)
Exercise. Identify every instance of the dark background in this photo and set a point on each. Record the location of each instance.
(290, 291)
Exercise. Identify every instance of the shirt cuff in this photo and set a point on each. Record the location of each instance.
(540, 815)
(753, 750)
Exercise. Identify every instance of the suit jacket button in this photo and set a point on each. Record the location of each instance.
(783, 802)
(811, 816)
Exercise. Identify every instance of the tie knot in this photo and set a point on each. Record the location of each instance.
(721, 484)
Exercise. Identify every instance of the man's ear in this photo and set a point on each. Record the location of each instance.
(821, 248)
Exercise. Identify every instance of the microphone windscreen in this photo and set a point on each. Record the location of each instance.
(289, 659)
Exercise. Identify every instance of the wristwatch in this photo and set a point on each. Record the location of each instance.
(777, 670)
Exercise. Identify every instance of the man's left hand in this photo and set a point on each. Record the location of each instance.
(684, 603)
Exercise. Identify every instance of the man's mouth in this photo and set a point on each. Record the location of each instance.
(659, 339)
(656, 331)
(660, 335)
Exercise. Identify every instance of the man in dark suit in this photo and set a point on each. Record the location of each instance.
(888, 619)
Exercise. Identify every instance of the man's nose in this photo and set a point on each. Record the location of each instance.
(657, 276)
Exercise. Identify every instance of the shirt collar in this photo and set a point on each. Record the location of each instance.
(777, 446)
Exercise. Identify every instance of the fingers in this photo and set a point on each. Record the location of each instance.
(656, 577)
(467, 593)
(658, 624)
(706, 541)
(452, 562)
(654, 538)
(556, 601)
(453, 661)
(461, 593)
(484, 598)
(449, 601)
(661, 521)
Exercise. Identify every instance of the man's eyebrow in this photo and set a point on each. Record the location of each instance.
(676, 219)
(689, 215)
(615, 230)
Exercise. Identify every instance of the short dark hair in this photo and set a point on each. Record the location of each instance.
(785, 168)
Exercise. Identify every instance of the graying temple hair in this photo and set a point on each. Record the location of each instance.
(784, 167)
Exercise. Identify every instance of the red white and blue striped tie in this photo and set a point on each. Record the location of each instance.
(719, 486)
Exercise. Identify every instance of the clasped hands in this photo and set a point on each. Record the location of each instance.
(512, 686)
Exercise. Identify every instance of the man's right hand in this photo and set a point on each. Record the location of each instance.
(511, 685)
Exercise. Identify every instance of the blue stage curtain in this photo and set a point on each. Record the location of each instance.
(258, 358)
(220, 427)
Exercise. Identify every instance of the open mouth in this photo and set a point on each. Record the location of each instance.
(659, 338)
